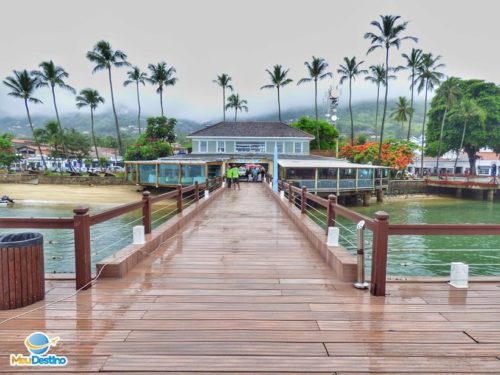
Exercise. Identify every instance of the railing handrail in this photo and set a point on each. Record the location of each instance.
(82, 221)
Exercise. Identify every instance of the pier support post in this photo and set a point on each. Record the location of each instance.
(146, 211)
(459, 193)
(380, 196)
(379, 253)
(81, 225)
(490, 195)
(330, 211)
(179, 198)
(366, 198)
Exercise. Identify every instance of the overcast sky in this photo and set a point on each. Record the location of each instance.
(242, 38)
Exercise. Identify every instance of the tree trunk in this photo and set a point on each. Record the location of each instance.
(411, 102)
(316, 111)
(441, 140)
(471, 153)
(376, 111)
(460, 149)
(385, 101)
(279, 104)
(350, 111)
(423, 130)
(65, 153)
(224, 103)
(235, 113)
(139, 107)
(34, 135)
(161, 100)
(119, 137)
(93, 135)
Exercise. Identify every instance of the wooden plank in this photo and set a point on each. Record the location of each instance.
(492, 337)
(12, 279)
(29, 274)
(3, 271)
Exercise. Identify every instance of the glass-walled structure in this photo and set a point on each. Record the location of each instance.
(160, 173)
(324, 176)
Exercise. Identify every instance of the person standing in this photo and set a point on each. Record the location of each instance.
(235, 177)
(228, 175)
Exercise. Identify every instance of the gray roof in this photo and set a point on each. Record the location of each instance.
(261, 129)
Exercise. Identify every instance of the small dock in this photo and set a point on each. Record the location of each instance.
(241, 290)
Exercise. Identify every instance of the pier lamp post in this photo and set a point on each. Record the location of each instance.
(333, 101)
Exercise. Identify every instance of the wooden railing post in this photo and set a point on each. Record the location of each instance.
(179, 199)
(303, 200)
(379, 253)
(146, 211)
(330, 211)
(207, 184)
(81, 225)
(196, 191)
(290, 192)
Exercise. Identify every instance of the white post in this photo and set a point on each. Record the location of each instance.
(138, 234)
(459, 275)
(333, 236)
(207, 194)
(282, 194)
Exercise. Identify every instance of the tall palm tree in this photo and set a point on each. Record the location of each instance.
(450, 89)
(23, 85)
(402, 112)
(377, 77)
(317, 71)
(136, 76)
(278, 79)
(223, 81)
(162, 77)
(51, 135)
(413, 61)
(234, 101)
(428, 77)
(468, 109)
(90, 98)
(348, 71)
(53, 76)
(389, 35)
(105, 58)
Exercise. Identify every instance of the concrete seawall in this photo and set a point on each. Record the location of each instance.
(60, 180)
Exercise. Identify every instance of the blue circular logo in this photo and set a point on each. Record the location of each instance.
(38, 343)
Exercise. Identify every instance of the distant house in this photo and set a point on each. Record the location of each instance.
(252, 144)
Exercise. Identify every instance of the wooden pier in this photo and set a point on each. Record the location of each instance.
(240, 290)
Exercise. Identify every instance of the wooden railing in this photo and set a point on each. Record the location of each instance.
(463, 180)
(380, 227)
(81, 222)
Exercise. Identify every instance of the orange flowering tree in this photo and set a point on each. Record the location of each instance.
(395, 154)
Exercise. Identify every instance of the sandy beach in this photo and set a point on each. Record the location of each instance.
(76, 194)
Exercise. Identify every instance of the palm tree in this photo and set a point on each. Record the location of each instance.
(402, 112)
(234, 101)
(278, 79)
(104, 58)
(349, 71)
(450, 89)
(377, 77)
(413, 61)
(161, 76)
(468, 109)
(23, 85)
(317, 71)
(223, 81)
(389, 36)
(427, 78)
(136, 76)
(51, 76)
(90, 98)
(51, 135)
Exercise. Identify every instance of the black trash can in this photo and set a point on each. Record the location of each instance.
(22, 274)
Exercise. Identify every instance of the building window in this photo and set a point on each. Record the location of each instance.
(298, 147)
(221, 146)
(203, 146)
(280, 146)
(250, 147)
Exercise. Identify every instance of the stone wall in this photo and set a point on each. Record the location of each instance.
(403, 187)
(60, 180)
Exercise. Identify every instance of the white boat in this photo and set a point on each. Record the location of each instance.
(6, 201)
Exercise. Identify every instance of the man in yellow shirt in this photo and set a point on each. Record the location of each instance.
(235, 176)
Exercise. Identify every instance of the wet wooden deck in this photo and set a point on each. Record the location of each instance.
(240, 290)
